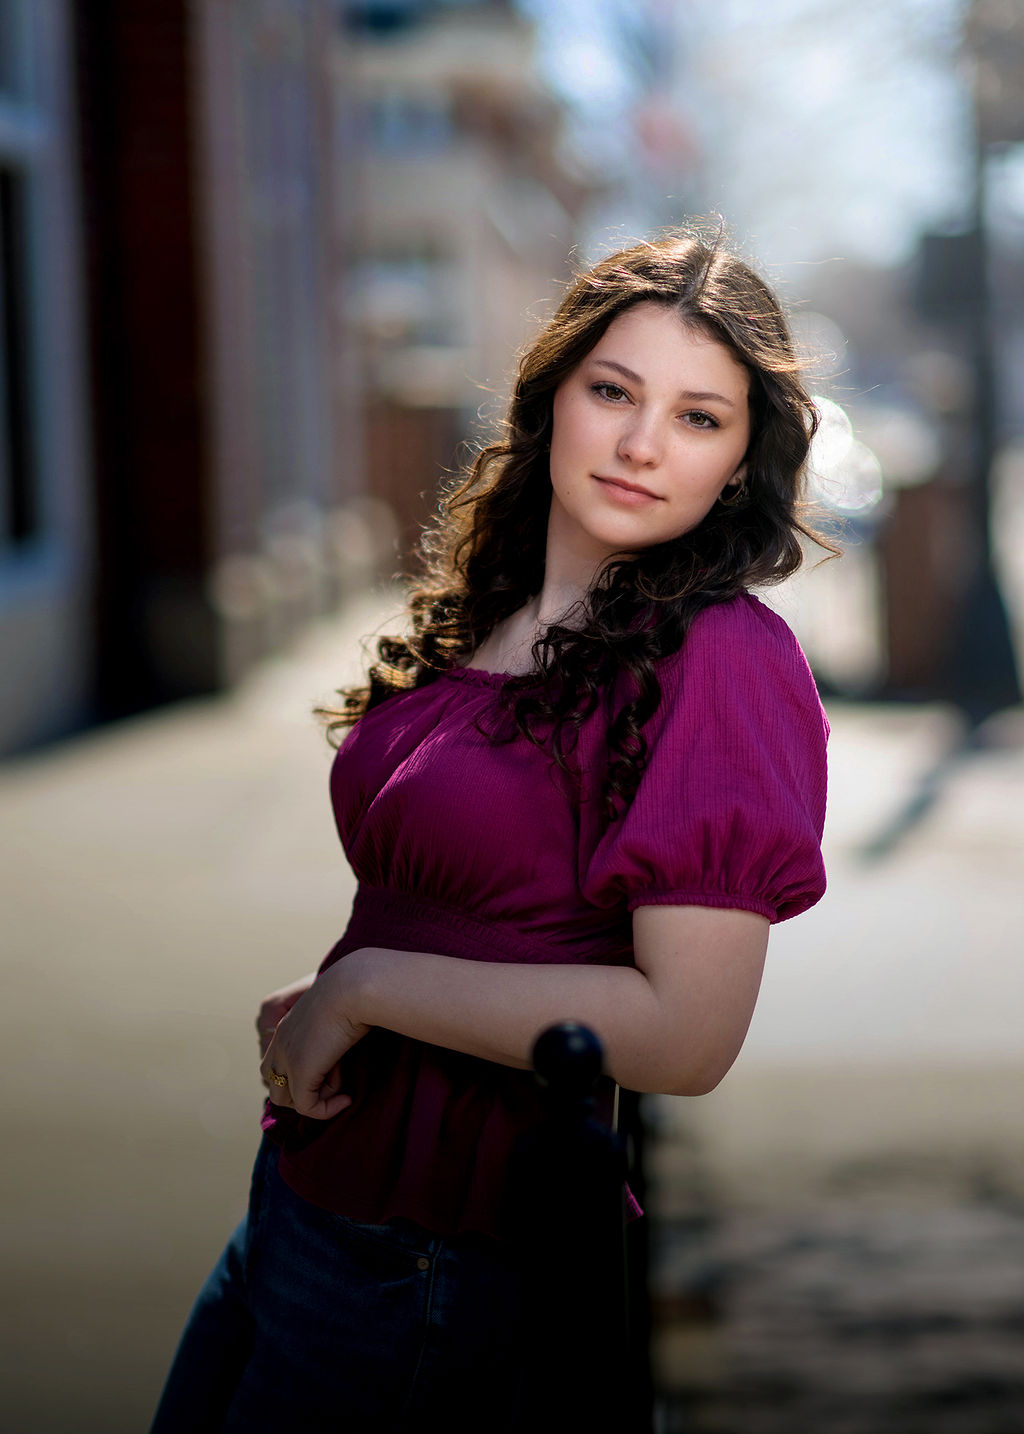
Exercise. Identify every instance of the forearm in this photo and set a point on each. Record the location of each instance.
(674, 1023)
(496, 1011)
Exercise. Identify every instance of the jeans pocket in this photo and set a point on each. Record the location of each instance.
(405, 1235)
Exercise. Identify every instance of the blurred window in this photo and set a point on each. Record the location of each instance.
(383, 17)
(22, 145)
(406, 299)
(16, 53)
(18, 476)
(408, 126)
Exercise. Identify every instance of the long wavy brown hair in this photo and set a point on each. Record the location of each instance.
(484, 558)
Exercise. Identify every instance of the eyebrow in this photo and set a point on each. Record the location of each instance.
(635, 378)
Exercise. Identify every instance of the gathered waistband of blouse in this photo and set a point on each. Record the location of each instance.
(383, 916)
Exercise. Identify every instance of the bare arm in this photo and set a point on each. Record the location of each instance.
(674, 1024)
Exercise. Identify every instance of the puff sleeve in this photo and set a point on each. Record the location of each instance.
(730, 808)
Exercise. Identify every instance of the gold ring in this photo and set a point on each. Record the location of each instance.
(277, 1078)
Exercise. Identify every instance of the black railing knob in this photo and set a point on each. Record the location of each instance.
(568, 1059)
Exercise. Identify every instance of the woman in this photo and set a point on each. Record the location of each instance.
(583, 786)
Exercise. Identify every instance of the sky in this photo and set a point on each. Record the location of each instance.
(819, 128)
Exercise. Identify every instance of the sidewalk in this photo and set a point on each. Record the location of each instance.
(167, 872)
(838, 1229)
(160, 876)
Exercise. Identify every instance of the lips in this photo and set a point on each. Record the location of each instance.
(627, 489)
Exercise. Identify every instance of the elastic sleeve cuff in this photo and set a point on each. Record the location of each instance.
(726, 900)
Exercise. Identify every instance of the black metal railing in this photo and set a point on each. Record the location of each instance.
(586, 1322)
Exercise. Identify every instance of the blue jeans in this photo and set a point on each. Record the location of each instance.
(312, 1322)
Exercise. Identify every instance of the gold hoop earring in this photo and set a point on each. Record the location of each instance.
(739, 497)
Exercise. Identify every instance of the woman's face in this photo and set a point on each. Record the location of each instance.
(646, 433)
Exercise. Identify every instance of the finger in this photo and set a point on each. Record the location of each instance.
(276, 1082)
(324, 1108)
(322, 1098)
(271, 1011)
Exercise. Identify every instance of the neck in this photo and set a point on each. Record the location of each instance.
(571, 569)
(554, 601)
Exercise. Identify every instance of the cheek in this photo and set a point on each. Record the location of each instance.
(563, 477)
(568, 442)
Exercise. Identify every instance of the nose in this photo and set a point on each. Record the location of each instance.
(639, 442)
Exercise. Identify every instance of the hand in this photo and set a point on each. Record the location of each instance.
(276, 1006)
(309, 1041)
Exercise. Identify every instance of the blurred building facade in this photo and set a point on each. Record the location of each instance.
(265, 267)
(464, 217)
(176, 448)
(936, 388)
(46, 511)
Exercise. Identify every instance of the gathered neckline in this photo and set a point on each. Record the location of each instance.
(481, 677)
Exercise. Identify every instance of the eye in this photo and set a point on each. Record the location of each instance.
(697, 418)
(610, 391)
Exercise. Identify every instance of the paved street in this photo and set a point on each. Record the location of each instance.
(160, 875)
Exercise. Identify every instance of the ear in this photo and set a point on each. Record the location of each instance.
(739, 477)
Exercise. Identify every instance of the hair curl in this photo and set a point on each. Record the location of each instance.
(484, 558)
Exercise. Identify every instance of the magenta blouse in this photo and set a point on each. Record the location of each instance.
(488, 852)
